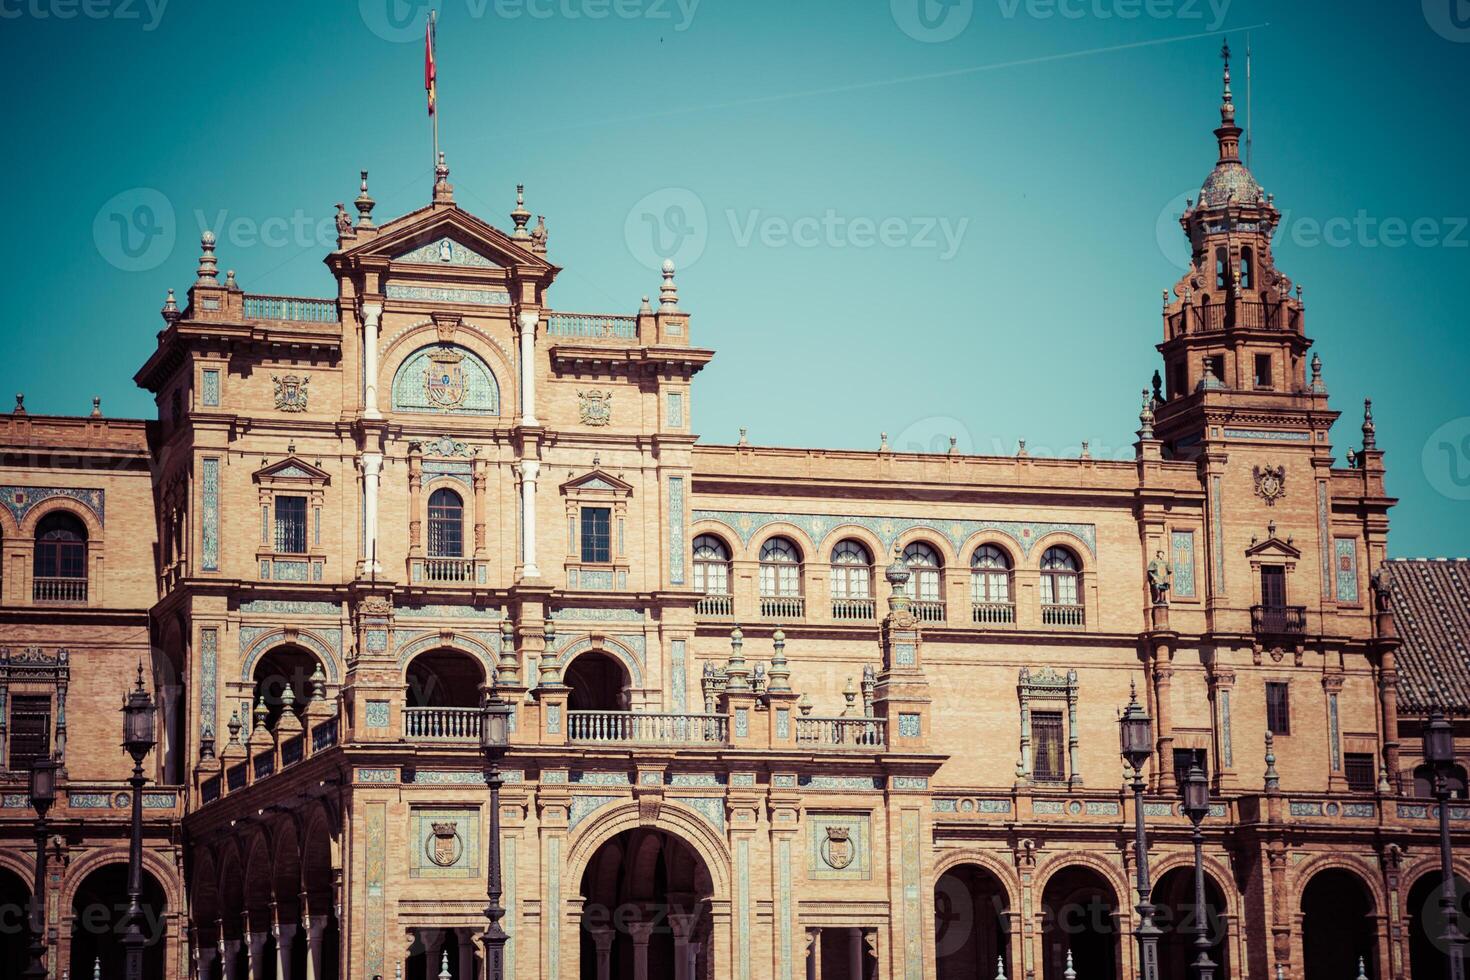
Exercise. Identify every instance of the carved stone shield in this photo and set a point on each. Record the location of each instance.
(444, 379)
(444, 846)
(838, 850)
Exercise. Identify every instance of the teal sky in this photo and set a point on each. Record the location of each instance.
(880, 227)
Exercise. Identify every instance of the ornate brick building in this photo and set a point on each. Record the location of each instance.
(354, 513)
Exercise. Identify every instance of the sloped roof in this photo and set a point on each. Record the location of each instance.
(1431, 605)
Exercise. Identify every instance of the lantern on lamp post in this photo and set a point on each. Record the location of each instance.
(138, 740)
(1135, 740)
(1196, 808)
(1439, 753)
(494, 742)
(43, 795)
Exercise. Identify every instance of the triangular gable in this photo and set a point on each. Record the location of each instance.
(418, 230)
(446, 250)
(598, 479)
(1273, 547)
(293, 468)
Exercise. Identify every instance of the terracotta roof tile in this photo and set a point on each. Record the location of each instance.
(1431, 604)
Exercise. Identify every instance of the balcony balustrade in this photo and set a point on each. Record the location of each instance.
(1279, 620)
(929, 610)
(716, 605)
(858, 733)
(592, 326)
(449, 569)
(783, 607)
(1241, 315)
(296, 309)
(648, 728)
(993, 613)
(442, 724)
(1053, 614)
(59, 590)
(847, 610)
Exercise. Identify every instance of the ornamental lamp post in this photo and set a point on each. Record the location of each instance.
(43, 794)
(1439, 753)
(1135, 739)
(1196, 808)
(138, 739)
(494, 741)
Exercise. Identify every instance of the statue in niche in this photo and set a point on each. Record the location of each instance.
(1160, 578)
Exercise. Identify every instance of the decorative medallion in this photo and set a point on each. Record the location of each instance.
(444, 846)
(444, 378)
(291, 392)
(837, 849)
(1270, 483)
(595, 406)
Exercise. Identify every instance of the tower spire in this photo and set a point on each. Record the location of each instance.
(1228, 134)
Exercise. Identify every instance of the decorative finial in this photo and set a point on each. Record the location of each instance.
(646, 307)
(1000, 968)
(443, 191)
(261, 713)
(1020, 447)
(20, 403)
(1273, 779)
(234, 727)
(1086, 454)
(744, 441)
(230, 280)
(954, 445)
(1069, 973)
(208, 274)
(520, 215)
(288, 696)
(1158, 386)
(1361, 974)
(318, 683)
(780, 671)
(170, 311)
(96, 407)
(668, 293)
(882, 442)
(364, 204)
(444, 973)
(1317, 384)
(1370, 431)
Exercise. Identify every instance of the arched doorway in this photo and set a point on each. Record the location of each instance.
(1175, 915)
(323, 937)
(444, 679)
(1427, 951)
(1337, 926)
(15, 931)
(1079, 914)
(171, 694)
(971, 926)
(646, 904)
(598, 682)
(282, 669)
(99, 910)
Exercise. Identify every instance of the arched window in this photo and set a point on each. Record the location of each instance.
(60, 569)
(924, 581)
(1221, 268)
(1061, 592)
(990, 586)
(1247, 270)
(711, 565)
(446, 524)
(780, 568)
(852, 571)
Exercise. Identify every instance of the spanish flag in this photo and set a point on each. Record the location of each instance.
(429, 73)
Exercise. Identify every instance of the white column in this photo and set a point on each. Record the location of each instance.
(641, 932)
(205, 959)
(372, 467)
(285, 936)
(370, 314)
(528, 323)
(855, 953)
(229, 951)
(255, 954)
(315, 927)
(529, 470)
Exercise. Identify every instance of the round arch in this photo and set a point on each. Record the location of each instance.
(1338, 910)
(454, 641)
(164, 872)
(997, 539)
(1082, 915)
(1175, 913)
(1365, 872)
(69, 505)
(599, 681)
(781, 529)
(471, 388)
(719, 529)
(605, 824)
(1213, 869)
(931, 536)
(1059, 539)
(1114, 875)
(1004, 873)
(15, 933)
(974, 918)
(308, 639)
(1424, 921)
(425, 333)
(287, 667)
(631, 662)
(444, 677)
(881, 555)
(95, 911)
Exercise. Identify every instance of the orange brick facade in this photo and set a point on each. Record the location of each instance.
(779, 713)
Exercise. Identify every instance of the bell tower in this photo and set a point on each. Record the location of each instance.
(1234, 325)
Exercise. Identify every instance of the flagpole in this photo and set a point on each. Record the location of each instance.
(433, 48)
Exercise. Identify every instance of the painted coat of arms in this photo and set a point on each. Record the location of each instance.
(838, 849)
(291, 391)
(444, 378)
(444, 846)
(1270, 483)
(595, 407)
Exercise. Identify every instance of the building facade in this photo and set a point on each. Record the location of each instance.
(778, 713)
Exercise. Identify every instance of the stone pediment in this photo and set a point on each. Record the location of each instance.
(420, 238)
(597, 480)
(1273, 547)
(292, 469)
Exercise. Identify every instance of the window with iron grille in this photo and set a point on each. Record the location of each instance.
(30, 729)
(291, 525)
(446, 524)
(1278, 707)
(596, 534)
(1184, 760)
(1048, 747)
(1358, 768)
